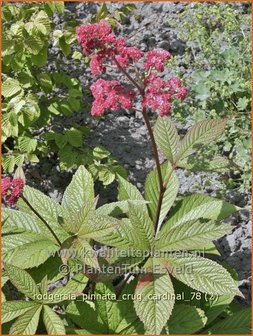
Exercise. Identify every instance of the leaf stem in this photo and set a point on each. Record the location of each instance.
(41, 218)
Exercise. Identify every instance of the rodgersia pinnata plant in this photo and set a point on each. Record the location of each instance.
(152, 246)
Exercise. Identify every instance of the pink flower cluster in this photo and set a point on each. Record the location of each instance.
(104, 47)
(159, 93)
(12, 190)
(99, 39)
(110, 95)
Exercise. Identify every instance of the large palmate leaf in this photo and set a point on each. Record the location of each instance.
(237, 324)
(27, 323)
(22, 281)
(13, 309)
(156, 299)
(52, 321)
(185, 319)
(79, 191)
(201, 274)
(152, 190)
(190, 235)
(48, 209)
(166, 137)
(201, 134)
(26, 250)
(196, 207)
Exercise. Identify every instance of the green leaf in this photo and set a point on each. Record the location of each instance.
(217, 163)
(152, 191)
(74, 222)
(155, 298)
(26, 250)
(106, 308)
(190, 235)
(201, 274)
(128, 191)
(53, 323)
(124, 237)
(201, 134)
(59, 6)
(65, 47)
(22, 281)
(45, 81)
(74, 137)
(11, 87)
(196, 207)
(48, 209)
(83, 314)
(20, 220)
(186, 319)
(97, 227)
(143, 226)
(27, 324)
(166, 137)
(26, 144)
(13, 309)
(239, 323)
(79, 191)
(40, 60)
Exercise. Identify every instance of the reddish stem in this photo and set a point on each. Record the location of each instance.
(152, 138)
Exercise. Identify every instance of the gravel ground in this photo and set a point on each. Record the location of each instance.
(126, 137)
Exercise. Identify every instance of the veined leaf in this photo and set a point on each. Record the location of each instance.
(152, 190)
(11, 87)
(79, 191)
(157, 298)
(27, 324)
(74, 223)
(13, 309)
(196, 207)
(26, 250)
(49, 210)
(202, 274)
(52, 321)
(117, 207)
(166, 137)
(97, 227)
(124, 237)
(186, 319)
(127, 191)
(84, 315)
(19, 220)
(201, 134)
(190, 235)
(239, 323)
(87, 255)
(217, 163)
(106, 308)
(143, 225)
(22, 281)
